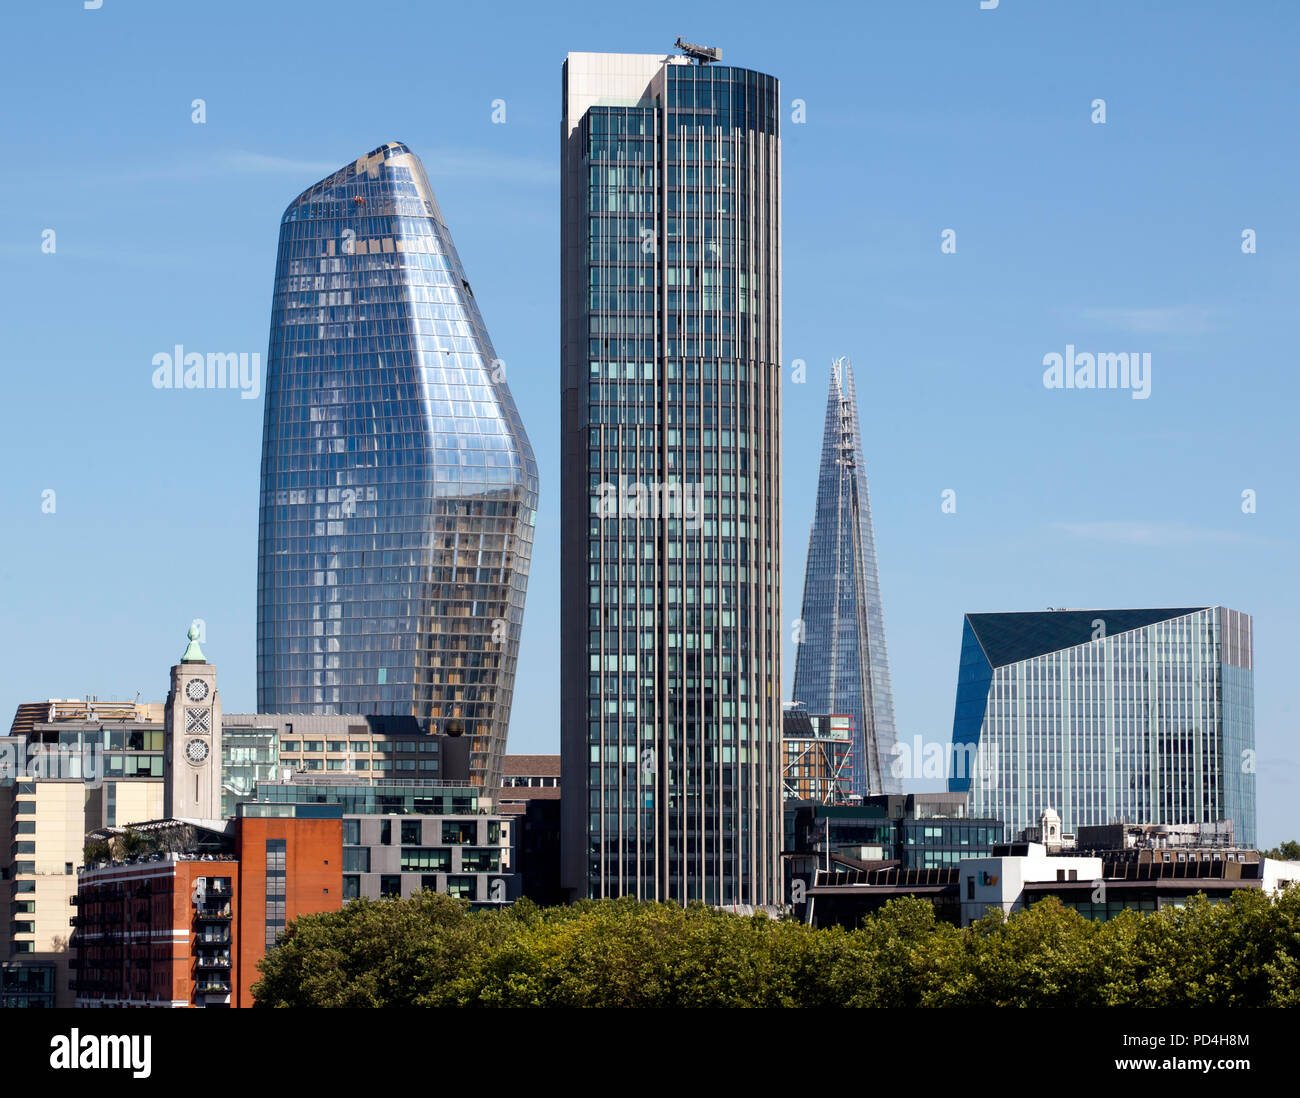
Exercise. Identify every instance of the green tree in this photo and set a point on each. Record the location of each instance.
(1289, 851)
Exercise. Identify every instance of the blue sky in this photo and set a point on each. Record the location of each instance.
(1122, 236)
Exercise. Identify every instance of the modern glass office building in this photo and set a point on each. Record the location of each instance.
(1140, 716)
(398, 488)
(841, 664)
(671, 418)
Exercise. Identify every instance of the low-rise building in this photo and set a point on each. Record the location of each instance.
(1099, 885)
(403, 836)
(816, 756)
(183, 921)
(530, 795)
(66, 768)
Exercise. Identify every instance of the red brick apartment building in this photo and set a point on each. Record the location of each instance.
(183, 921)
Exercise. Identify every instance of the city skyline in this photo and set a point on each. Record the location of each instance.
(1023, 535)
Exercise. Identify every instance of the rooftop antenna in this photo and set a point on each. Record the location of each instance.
(702, 54)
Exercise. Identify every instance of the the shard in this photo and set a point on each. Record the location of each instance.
(398, 487)
(841, 666)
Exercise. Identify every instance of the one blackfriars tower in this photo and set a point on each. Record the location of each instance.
(398, 487)
(841, 665)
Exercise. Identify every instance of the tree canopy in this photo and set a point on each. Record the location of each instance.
(432, 950)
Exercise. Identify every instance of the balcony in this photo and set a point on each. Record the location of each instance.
(213, 963)
(219, 913)
(213, 987)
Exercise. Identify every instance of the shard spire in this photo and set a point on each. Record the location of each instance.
(841, 664)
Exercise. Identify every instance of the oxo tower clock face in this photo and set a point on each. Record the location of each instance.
(196, 751)
(196, 690)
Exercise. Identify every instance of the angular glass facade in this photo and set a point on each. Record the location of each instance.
(398, 488)
(841, 665)
(1137, 716)
(671, 497)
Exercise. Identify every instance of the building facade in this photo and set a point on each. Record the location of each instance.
(841, 663)
(404, 836)
(531, 796)
(816, 756)
(65, 769)
(398, 487)
(1106, 716)
(185, 918)
(1099, 885)
(671, 510)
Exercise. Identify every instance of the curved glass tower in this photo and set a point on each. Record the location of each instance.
(398, 488)
(841, 666)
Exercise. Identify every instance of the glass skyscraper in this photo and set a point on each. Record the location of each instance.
(671, 420)
(398, 488)
(841, 665)
(1137, 716)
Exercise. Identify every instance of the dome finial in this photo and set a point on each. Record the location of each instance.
(193, 653)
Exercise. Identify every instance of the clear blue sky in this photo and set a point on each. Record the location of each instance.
(920, 118)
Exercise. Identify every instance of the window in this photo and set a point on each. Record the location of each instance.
(386, 832)
(416, 858)
(275, 890)
(459, 832)
(411, 832)
(480, 861)
(67, 869)
(461, 887)
(356, 859)
(970, 888)
(351, 832)
(351, 886)
(430, 882)
(390, 884)
(336, 745)
(313, 745)
(289, 746)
